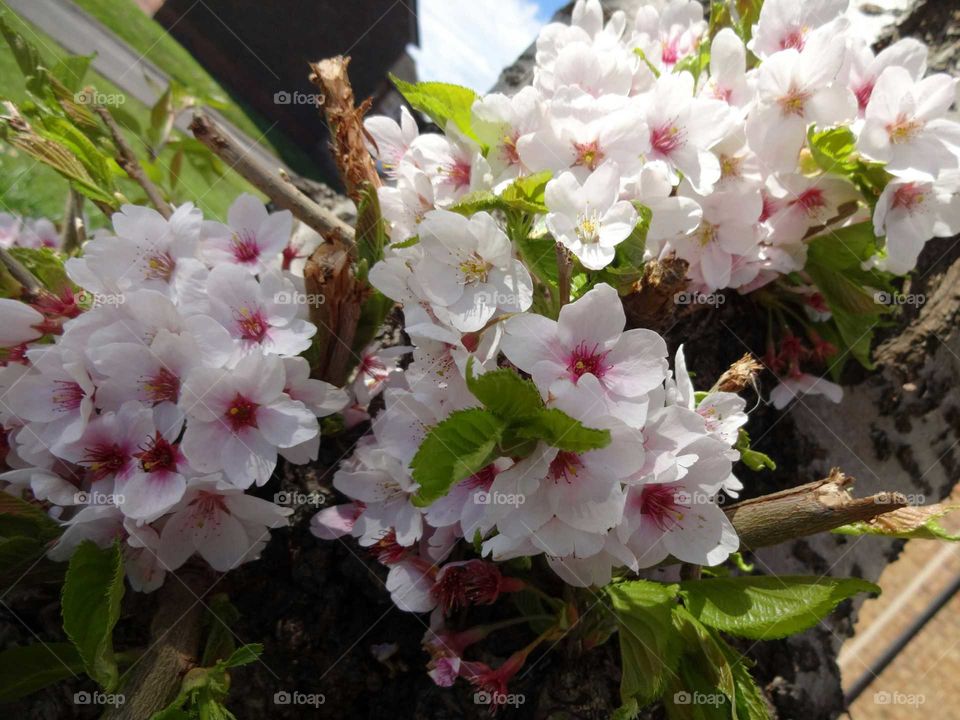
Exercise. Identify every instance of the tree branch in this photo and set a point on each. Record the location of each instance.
(32, 287)
(131, 166)
(153, 681)
(805, 510)
(271, 183)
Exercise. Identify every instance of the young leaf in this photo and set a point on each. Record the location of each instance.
(754, 460)
(504, 393)
(453, 450)
(19, 517)
(29, 668)
(442, 102)
(833, 150)
(528, 193)
(92, 592)
(243, 655)
(558, 429)
(907, 522)
(749, 701)
(47, 266)
(703, 686)
(767, 607)
(649, 645)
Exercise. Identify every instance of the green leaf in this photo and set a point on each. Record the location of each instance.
(477, 201)
(845, 248)
(528, 193)
(47, 266)
(539, 253)
(833, 150)
(703, 687)
(91, 597)
(749, 701)
(649, 645)
(27, 56)
(753, 459)
(857, 331)
(28, 668)
(842, 293)
(909, 522)
(559, 430)
(456, 448)
(371, 231)
(767, 607)
(243, 655)
(504, 393)
(441, 102)
(71, 69)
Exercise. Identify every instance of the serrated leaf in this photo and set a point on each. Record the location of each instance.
(559, 430)
(455, 449)
(28, 668)
(477, 201)
(243, 655)
(90, 605)
(833, 150)
(908, 522)
(649, 645)
(703, 687)
(71, 69)
(749, 703)
(767, 607)
(441, 102)
(845, 248)
(504, 393)
(528, 193)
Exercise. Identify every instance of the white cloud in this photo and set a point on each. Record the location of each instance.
(468, 42)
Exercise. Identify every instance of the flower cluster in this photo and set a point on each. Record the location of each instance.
(142, 405)
(16, 231)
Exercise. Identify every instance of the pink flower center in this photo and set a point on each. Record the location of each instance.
(242, 413)
(459, 174)
(585, 360)
(158, 455)
(669, 52)
(252, 324)
(794, 102)
(245, 248)
(663, 504)
(564, 466)
(67, 395)
(509, 149)
(160, 266)
(290, 253)
(104, 460)
(903, 129)
(483, 479)
(206, 507)
(388, 550)
(589, 155)
(795, 39)
(810, 200)
(164, 386)
(863, 94)
(667, 138)
(909, 197)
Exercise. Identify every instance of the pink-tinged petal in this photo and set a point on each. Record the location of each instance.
(638, 363)
(176, 539)
(222, 541)
(146, 496)
(409, 586)
(202, 444)
(286, 423)
(334, 522)
(596, 319)
(529, 339)
(248, 458)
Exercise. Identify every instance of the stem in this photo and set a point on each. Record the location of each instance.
(271, 183)
(128, 161)
(564, 269)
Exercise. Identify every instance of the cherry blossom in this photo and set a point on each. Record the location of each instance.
(251, 238)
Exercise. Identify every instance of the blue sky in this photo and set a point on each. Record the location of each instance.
(468, 42)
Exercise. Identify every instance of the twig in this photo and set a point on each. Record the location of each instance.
(32, 287)
(128, 161)
(345, 120)
(809, 509)
(564, 270)
(153, 681)
(270, 182)
(73, 232)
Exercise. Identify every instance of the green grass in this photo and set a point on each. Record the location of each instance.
(31, 189)
(148, 37)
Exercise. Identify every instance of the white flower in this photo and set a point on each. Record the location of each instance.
(904, 125)
(670, 34)
(453, 163)
(728, 70)
(909, 213)
(259, 315)
(499, 122)
(682, 129)
(388, 141)
(18, 323)
(864, 67)
(252, 239)
(587, 346)
(796, 88)
(590, 220)
(220, 523)
(236, 419)
(468, 271)
(804, 384)
(787, 24)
